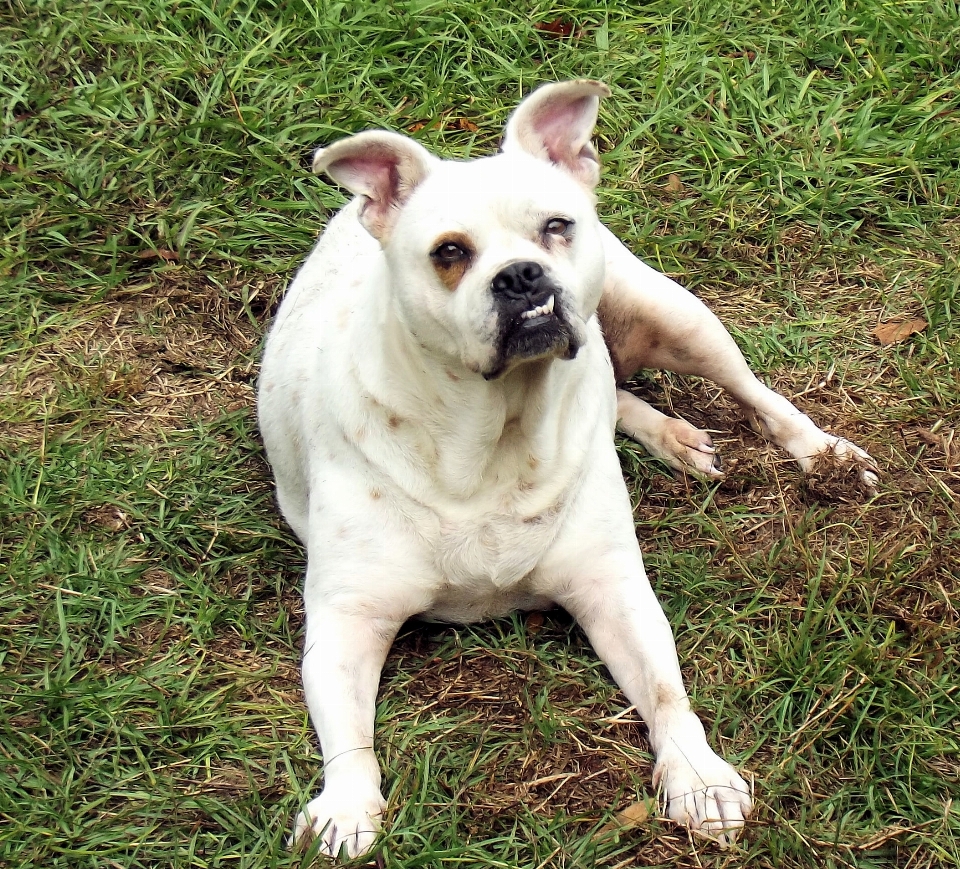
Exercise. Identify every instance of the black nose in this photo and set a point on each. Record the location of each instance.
(523, 280)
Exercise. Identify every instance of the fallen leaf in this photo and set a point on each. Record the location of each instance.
(162, 253)
(416, 127)
(674, 184)
(557, 27)
(632, 816)
(464, 124)
(895, 331)
(534, 622)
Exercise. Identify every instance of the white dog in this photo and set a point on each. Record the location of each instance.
(438, 403)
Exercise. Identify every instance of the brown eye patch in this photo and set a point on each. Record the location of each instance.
(451, 256)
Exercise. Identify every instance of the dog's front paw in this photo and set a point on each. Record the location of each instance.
(345, 822)
(686, 448)
(703, 792)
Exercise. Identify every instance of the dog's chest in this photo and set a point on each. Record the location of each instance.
(495, 549)
(496, 538)
(487, 565)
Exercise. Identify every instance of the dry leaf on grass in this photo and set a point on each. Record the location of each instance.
(534, 622)
(170, 256)
(895, 331)
(674, 184)
(943, 441)
(462, 124)
(632, 816)
(445, 124)
(558, 27)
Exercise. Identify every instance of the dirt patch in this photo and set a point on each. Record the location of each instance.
(576, 759)
(153, 355)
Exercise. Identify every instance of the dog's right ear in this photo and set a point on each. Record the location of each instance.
(382, 168)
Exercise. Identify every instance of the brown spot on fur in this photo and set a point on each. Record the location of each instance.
(452, 273)
(547, 515)
(666, 696)
(375, 494)
(394, 421)
(452, 376)
(632, 341)
(533, 462)
(620, 332)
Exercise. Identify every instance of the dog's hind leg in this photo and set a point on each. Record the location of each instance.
(649, 321)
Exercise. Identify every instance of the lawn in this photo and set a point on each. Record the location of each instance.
(796, 164)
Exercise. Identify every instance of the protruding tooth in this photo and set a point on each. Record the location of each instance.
(540, 310)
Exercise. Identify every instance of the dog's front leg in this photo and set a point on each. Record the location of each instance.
(612, 600)
(343, 655)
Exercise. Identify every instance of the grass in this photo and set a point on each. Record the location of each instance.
(797, 165)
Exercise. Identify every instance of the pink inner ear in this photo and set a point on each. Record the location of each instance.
(373, 175)
(561, 129)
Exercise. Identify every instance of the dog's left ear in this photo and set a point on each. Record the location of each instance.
(556, 123)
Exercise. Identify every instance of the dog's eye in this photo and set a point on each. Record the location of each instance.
(449, 253)
(557, 226)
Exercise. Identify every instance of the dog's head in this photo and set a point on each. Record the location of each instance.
(494, 261)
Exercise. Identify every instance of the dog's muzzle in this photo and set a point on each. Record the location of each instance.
(531, 318)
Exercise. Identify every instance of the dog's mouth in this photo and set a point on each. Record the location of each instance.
(528, 333)
(537, 316)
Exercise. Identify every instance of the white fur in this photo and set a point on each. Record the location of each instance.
(420, 488)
